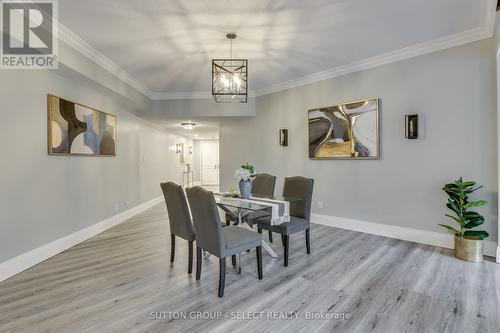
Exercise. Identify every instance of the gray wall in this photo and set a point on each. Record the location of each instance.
(43, 198)
(496, 33)
(453, 91)
(197, 161)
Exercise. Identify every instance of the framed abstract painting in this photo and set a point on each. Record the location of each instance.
(74, 129)
(345, 131)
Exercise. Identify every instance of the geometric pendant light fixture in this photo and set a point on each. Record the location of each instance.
(230, 77)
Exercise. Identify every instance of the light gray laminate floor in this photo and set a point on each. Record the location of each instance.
(114, 281)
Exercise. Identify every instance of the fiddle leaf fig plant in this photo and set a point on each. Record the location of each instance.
(458, 202)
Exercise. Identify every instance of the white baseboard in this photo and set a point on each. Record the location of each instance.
(392, 231)
(26, 260)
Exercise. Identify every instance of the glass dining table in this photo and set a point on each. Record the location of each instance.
(242, 210)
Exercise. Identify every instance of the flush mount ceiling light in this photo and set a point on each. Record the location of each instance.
(188, 126)
(229, 77)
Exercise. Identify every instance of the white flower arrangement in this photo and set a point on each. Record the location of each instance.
(245, 173)
(242, 174)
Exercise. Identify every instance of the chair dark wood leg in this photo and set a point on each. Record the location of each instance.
(222, 276)
(190, 262)
(286, 245)
(233, 260)
(259, 230)
(259, 261)
(308, 241)
(199, 255)
(270, 236)
(283, 240)
(172, 247)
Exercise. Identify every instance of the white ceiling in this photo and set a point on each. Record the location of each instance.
(167, 45)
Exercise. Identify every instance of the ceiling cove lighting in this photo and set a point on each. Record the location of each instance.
(229, 77)
(188, 125)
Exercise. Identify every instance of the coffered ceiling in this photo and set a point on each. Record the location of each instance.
(167, 45)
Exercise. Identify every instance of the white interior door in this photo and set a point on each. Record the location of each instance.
(210, 163)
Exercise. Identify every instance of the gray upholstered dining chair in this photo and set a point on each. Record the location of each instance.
(263, 184)
(300, 213)
(213, 238)
(179, 218)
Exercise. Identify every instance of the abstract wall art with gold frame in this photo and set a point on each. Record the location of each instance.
(345, 131)
(74, 129)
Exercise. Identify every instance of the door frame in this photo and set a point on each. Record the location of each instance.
(201, 162)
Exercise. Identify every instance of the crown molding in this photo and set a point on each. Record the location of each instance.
(485, 31)
(85, 49)
(188, 95)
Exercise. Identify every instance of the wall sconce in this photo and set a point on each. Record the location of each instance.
(411, 126)
(284, 137)
(179, 149)
(190, 150)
